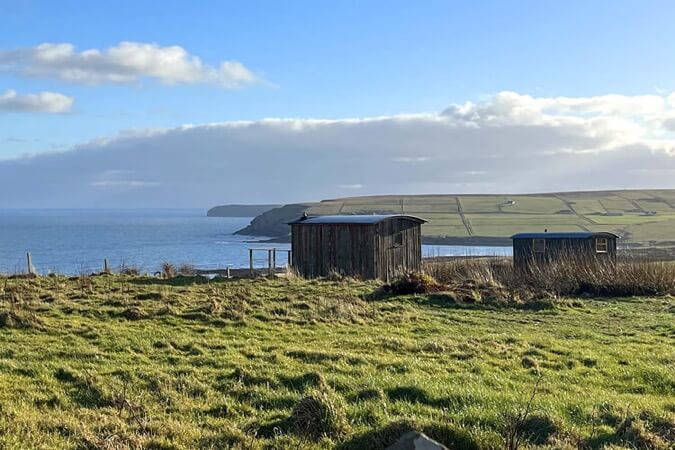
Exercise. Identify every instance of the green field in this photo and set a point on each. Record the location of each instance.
(115, 362)
(638, 215)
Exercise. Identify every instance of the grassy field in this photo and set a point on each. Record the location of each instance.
(117, 362)
(638, 215)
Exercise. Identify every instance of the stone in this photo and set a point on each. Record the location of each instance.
(414, 440)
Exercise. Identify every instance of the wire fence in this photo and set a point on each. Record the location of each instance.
(257, 260)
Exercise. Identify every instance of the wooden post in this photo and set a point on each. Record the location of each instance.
(106, 269)
(274, 259)
(269, 262)
(29, 263)
(289, 258)
(250, 260)
(228, 273)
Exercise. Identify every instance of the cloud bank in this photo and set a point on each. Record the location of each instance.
(508, 143)
(127, 62)
(43, 102)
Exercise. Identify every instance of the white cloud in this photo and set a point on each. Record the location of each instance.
(120, 179)
(123, 184)
(45, 102)
(509, 143)
(411, 159)
(127, 62)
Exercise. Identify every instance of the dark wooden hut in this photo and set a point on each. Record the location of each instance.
(543, 248)
(364, 246)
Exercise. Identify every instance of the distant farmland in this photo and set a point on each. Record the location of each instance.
(636, 215)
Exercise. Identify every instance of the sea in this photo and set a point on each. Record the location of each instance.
(77, 241)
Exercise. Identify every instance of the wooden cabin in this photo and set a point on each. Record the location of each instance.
(543, 248)
(363, 246)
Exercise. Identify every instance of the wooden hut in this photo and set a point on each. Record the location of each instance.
(363, 246)
(543, 248)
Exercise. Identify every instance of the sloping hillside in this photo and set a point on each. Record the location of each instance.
(637, 215)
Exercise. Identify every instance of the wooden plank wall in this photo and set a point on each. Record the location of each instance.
(524, 255)
(366, 251)
(320, 249)
(393, 259)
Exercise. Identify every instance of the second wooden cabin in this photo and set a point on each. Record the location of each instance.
(364, 246)
(532, 249)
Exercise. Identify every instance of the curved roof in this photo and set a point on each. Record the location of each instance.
(565, 235)
(354, 219)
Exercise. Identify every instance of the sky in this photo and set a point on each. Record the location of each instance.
(191, 104)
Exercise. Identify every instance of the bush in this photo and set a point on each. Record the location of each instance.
(187, 270)
(320, 414)
(413, 283)
(168, 270)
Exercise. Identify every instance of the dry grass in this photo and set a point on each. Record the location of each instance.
(566, 277)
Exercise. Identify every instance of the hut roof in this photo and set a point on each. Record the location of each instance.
(355, 219)
(565, 235)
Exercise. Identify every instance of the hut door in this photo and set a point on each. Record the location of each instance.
(396, 253)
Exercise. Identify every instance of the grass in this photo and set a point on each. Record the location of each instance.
(494, 216)
(126, 362)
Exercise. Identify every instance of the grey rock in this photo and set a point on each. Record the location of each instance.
(414, 440)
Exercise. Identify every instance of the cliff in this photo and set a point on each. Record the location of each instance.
(272, 223)
(239, 210)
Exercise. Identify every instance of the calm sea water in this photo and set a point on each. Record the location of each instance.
(76, 241)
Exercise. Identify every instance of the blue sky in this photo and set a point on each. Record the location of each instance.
(330, 60)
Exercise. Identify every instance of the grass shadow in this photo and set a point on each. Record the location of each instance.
(180, 280)
(381, 438)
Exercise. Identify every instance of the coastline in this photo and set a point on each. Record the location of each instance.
(473, 241)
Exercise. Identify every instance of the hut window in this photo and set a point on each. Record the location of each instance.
(601, 245)
(539, 245)
(398, 239)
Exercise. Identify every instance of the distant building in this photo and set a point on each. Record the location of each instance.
(365, 246)
(543, 248)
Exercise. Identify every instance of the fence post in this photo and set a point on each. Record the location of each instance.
(106, 269)
(289, 258)
(29, 263)
(269, 262)
(274, 259)
(250, 261)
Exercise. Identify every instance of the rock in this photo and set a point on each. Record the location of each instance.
(414, 440)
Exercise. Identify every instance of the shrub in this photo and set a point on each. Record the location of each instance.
(320, 414)
(413, 283)
(168, 270)
(187, 270)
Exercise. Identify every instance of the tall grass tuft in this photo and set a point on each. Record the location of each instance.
(320, 414)
(566, 276)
